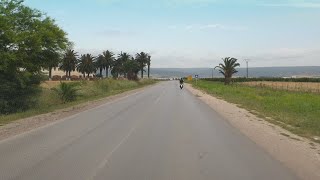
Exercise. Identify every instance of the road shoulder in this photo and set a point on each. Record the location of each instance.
(299, 154)
(27, 124)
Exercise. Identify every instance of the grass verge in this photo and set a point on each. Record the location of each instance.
(48, 100)
(298, 112)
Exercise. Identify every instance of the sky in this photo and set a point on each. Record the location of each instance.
(194, 33)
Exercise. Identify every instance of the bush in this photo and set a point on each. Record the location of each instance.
(18, 91)
(67, 92)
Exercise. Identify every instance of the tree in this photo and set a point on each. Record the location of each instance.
(54, 59)
(109, 58)
(101, 64)
(69, 62)
(142, 59)
(228, 68)
(25, 33)
(27, 38)
(131, 67)
(149, 63)
(86, 64)
(118, 65)
(55, 45)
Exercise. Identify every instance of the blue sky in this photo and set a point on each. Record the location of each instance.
(194, 33)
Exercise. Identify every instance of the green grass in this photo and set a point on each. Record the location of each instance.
(48, 100)
(299, 112)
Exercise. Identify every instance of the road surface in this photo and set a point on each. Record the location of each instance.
(161, 133)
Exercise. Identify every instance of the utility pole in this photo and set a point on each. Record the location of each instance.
(212, 72)
(247, 61)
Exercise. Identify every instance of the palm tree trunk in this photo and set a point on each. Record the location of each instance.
(66, 75)
(227, 80)
(69, 75)
(148, 70)
(142, 73)
(101, 72)
(107, 72)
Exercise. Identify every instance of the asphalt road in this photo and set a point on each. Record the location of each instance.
(161, 133)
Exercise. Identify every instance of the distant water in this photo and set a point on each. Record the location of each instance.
(304, 71)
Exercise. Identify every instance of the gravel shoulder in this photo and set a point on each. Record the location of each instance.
(24, 125)
(299, 154)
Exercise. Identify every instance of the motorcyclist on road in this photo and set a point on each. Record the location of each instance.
(181, 83)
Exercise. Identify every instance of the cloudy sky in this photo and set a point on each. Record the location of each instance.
(194, 33)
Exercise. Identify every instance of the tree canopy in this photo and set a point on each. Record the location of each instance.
(28, 38)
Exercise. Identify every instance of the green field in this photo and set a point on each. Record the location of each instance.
(298, 112)
(48, 100)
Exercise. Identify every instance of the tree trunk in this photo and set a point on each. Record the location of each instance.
(69, 75)
(101, 72)
(50, 73)
(149, 71)
(227, 80)
(142, 73)
(107, 72)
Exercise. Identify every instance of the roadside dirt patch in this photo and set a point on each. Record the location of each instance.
(299, 154)
(27, 124)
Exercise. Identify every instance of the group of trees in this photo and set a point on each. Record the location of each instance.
(30, 41)
(123, 65)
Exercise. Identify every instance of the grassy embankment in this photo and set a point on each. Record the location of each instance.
(48, 100)
(299, 112)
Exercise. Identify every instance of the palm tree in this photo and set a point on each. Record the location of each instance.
(109, 58)
(69, 62)
(228, 68)
(149, 63)
(81, 66)
(142, 59)
(118, 65)
(101, 64)
(131, 68)
(86, 65)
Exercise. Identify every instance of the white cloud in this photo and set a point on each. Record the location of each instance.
(116, 33)
(266, 58)
(302, 4)
(285, 57)
(200, 27)
(190, 1)
(172, 27)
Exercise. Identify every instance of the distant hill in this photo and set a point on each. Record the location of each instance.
(304, 71)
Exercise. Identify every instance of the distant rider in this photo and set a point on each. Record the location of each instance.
(181, 83)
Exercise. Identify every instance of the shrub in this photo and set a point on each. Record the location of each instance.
(18, 91)
(67, 92)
